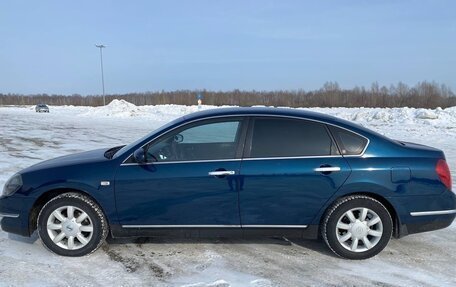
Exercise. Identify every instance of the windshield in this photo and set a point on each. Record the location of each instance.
(146, 137)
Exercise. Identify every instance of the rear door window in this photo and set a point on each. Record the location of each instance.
(282, 137)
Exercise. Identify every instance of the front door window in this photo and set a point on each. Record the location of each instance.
(200, 141)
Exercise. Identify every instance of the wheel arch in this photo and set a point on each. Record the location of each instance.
(48, 195)
(392, 211)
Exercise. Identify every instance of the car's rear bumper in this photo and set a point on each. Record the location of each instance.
(424, 213)
(432, 223)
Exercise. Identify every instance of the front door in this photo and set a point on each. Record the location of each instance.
(291, 168)
(189, 180)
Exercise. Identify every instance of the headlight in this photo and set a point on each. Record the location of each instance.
(12, 185)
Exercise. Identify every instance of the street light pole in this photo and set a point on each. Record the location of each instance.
(102, 74)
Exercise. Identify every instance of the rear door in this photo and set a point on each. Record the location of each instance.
(291, 167)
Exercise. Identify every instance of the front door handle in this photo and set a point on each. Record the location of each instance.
(327, 169)
(222, 172)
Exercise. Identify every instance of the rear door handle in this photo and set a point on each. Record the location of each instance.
(222, 172)
(327, 169)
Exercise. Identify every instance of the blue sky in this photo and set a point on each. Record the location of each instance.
(48, 46)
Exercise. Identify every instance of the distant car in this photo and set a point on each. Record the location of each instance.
(241, 172)
(41, 108)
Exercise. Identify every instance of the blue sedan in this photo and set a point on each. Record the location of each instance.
(237, 172)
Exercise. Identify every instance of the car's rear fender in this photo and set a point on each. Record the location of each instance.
(394, 181)
(398, 176)
(367, 188)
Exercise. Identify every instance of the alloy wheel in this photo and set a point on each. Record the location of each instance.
(70, 227)
(359, 229)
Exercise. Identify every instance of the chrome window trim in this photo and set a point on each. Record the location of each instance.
(188, 161)
(249, 115)
(435, 212)
(290, 157)
(214, 226)
(234, 159)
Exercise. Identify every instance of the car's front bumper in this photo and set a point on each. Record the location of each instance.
(11, 215)
(14, 214)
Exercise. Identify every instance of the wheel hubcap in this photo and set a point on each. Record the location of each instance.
(70, 227)
(359, 229)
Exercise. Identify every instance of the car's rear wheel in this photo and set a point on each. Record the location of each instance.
(357, 227)
(72, 224)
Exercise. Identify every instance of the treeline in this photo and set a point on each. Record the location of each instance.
(422, 95)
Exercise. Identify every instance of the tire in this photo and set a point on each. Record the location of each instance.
(72, 224)
(357, 227)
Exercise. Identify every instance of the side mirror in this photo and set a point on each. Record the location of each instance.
(178, 138)
(140, 155)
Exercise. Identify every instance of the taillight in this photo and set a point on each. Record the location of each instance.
(442, 170)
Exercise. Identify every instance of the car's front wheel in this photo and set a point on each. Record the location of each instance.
(357, 227)
(72, 224)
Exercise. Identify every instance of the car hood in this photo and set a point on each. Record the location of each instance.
(69, 160)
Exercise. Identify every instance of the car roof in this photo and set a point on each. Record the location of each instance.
(242, 111)
(284, 112)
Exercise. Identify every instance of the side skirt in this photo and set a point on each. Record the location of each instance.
(309, 232)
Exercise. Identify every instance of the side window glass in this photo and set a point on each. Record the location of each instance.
(201, 141)
(274, 137)
(349, 142)
(223, 132)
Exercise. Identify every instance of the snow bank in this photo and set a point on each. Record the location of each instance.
(374, 116)
(116, 108)
(427, 114)
(439, 116)
(124, 109)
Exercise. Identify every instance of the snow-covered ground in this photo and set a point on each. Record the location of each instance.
(27, 137)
